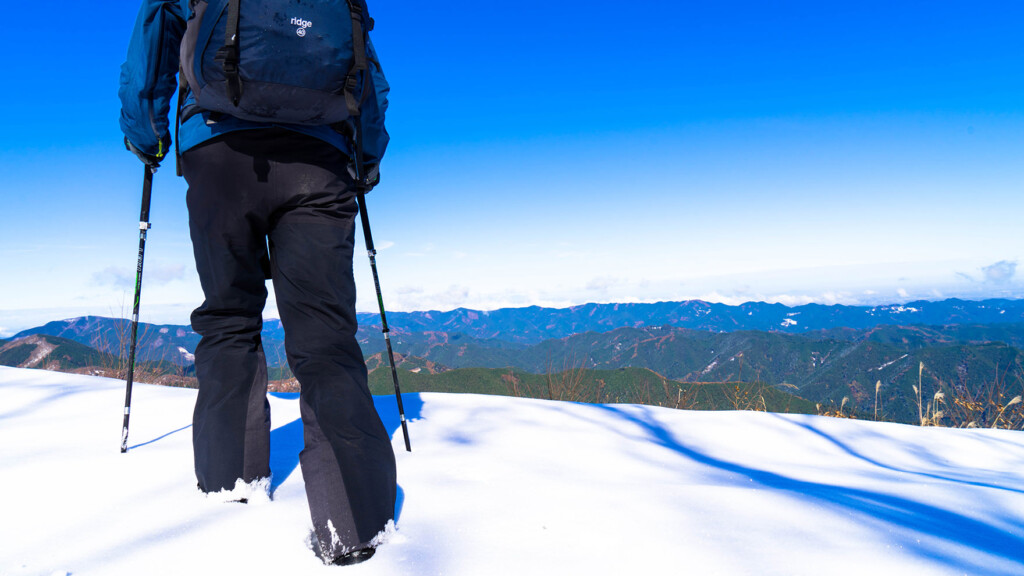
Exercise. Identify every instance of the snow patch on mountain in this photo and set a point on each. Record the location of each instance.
(709, 368)
(887, 364)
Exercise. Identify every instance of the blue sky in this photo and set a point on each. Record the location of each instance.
(556, 154)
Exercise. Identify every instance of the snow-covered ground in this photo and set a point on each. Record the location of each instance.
(510, 486)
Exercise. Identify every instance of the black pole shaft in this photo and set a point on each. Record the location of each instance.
(383, 318)
(147, 190)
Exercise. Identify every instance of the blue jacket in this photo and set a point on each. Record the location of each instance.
(148, 83)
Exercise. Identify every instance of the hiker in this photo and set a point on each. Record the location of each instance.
(272, 194)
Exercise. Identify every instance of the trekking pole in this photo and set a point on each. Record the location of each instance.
(147, 189)
(383, 319)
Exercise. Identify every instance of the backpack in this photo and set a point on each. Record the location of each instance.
(287, 61)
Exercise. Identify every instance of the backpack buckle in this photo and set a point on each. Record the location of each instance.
(228, 57)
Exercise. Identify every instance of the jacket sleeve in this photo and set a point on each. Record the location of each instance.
(148, 75)
(375, 136)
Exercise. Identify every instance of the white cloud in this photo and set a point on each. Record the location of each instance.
(124, 278)
(165, 274)
(1000, 272)
(410, 298)
(864, 285)
(604, 283)
(735, 299)
(114, 276)
(831, 298)
(730, 299)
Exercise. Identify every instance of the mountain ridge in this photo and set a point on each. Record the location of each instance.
(864, 368)
(491, 338)
(534, 324)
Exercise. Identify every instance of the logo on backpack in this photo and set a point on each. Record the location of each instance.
(302, 24)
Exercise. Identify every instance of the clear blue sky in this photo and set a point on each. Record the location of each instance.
(571, 152)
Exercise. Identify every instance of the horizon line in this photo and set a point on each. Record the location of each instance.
(6, 333)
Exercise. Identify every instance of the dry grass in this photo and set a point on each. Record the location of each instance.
(832, 411)
(994, 404)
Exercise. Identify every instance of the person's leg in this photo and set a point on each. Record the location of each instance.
(231, 422)
(348, 463)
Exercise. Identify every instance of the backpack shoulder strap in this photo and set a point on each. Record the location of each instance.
(357, 9)
(182, 92)
(358, 71)
(228, 54)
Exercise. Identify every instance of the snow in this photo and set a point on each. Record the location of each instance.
(188, 356)
(43, 349)
(500, 486)
(887, 364)
(895, 309)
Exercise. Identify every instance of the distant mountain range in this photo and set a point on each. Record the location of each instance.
(534, 324)
(822, 354)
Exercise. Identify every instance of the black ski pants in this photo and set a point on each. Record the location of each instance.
(278, 194)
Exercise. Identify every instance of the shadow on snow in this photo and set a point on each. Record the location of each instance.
(158, 438)
(867, 459)
(286, 441)
(885, 511)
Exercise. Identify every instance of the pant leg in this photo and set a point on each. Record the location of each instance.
(231, 422)
(348, 463)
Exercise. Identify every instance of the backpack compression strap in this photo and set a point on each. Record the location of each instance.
(182, 93)
(358, 58)
(228, 55)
